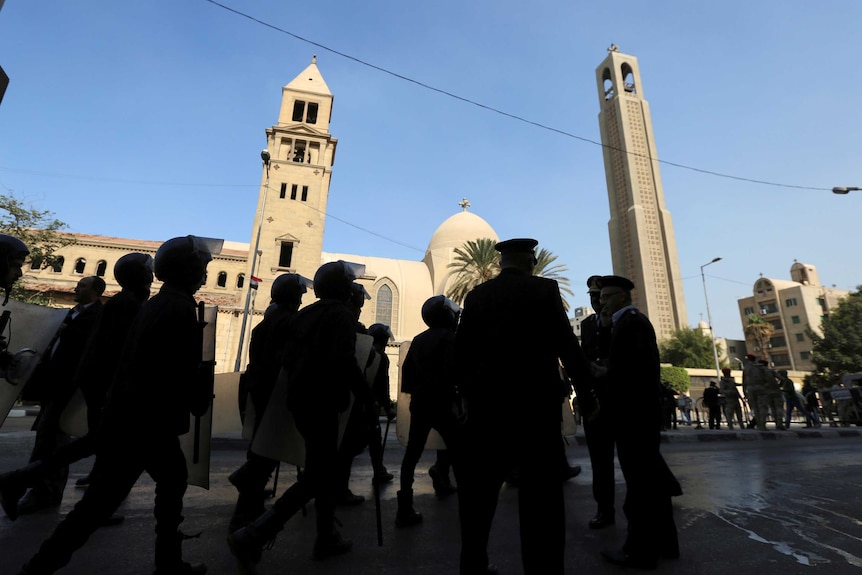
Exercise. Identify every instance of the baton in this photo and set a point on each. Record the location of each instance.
(196, 446)
(376, 488)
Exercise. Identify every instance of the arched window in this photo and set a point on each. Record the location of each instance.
(80, 264)
(607, 84)
(383, 312)
(57, 266)
(240, 281)
(628, 78)
(222, 279)
(36, 263)
(101, 267)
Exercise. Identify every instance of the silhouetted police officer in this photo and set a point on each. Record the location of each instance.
(634, 380)
(319, 357)
(511, 338)
(428, 376)
(598, 430)
(265, 353)
(134, 273)
(13, 252)
(149, 405)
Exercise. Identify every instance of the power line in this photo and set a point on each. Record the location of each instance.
(507, 114)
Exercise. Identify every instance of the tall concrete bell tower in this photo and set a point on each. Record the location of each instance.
(293, 204)
(643, 247)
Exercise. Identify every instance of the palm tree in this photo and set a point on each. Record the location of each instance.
(475, 262)
(546, 268)
(760, 331)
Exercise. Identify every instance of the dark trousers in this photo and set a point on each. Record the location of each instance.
(50, 439)
(492, 444)
(422, 421)
(319, 479)
(600, 444)
(714, 416)
(648, 509)
(118, 467)
(251, 478)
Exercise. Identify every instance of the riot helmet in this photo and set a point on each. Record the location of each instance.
(134, 271)
(287, 289)
(334, 280)
(13, 252)
(381, 333)
(358, 295)
(182, 261)
(440, 311)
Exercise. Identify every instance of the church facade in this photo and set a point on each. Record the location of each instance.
(287, 232)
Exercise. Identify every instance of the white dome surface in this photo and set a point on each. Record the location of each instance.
(458, 229)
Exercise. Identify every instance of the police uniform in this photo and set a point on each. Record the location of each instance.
(732, 408)
(598, 430)
(154, 392)
(753, 385)
(772, 395)
(53, 385)
(320, 362)
(265, 357)
(634, 381)
(512, 335)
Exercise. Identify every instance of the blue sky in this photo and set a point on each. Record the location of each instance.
(146, 120)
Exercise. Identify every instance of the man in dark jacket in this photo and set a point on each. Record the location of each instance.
(319, 357)
(155, 390)
(598, 430)
(512, 336)
(633, 374)
(53, 385)
(712, 401)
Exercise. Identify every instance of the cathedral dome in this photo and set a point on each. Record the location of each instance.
(458, 229)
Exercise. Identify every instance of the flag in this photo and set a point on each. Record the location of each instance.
(255, 281)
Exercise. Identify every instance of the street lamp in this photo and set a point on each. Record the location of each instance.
(844, 190)
(264, 155)
(709, 317)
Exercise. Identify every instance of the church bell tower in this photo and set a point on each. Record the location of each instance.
(291, 207)
(643, 247)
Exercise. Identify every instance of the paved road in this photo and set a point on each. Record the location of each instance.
(754, 504)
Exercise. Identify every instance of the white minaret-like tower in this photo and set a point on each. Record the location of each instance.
(643, 247)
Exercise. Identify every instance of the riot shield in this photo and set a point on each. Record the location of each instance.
(73, 420)
(569, 425)
(277, 437)
(402, 420)
(29, 331)
(196, 443)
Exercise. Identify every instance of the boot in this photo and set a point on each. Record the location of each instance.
(441, 483)
(406, 515)
(13, 486)
(330, 545)
(169, 557)
(381, 475)
(248, 543)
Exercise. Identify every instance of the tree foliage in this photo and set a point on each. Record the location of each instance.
(477, 261)
(839, 349)
(546, 268)
(677, 377)
(760, 331)
(688, 347)
(42, 233)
